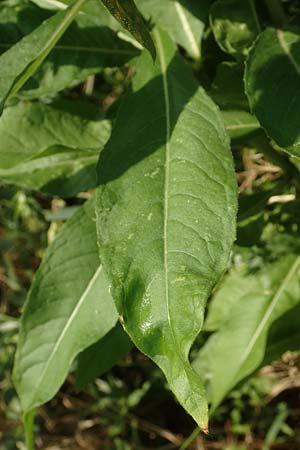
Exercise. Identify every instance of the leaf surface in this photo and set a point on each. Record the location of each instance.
(166, 209)
(243, 337)
(68, 309)
(272, 82)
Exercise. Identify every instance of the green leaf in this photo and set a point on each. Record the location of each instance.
(242, 338)
(184, 20)
(68, 309)
(235, 25)
(53, 148)
(240, 124)
(272, 83)
(22, 60)
(102, 356)
(85, 48)
(166, 214)
(128, 15)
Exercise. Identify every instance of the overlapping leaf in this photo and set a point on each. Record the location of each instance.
(53, 147)
(86, 47)
(166, 214)
(22, 60)
(272, 83)
(258, 301)
(68, 309)
(130, 18)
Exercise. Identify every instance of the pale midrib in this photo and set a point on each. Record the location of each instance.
(167, 162)
(241, 126)
(66, 328)
(286, 50)
(187, 29)
(270, 309)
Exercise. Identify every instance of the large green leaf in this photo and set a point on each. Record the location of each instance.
(242, 337)
(22, 60)
(51, 147)
(235, 25)
(272, 83)
(102, 356)
(184, 20)
(85, 48)
(166, 214)
(126, 12)
(68, 309)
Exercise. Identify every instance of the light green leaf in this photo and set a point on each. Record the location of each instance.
(240, 124)
(53, 148)
(166, 214)
(102, 356)
(272, 83)
(242, 338)
(68, 309)
(235, 25)
(130, 18)
(85, 48)
(184, 20)
(22, 60)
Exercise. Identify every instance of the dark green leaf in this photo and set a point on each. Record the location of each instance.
(102, 356)
(272, 83)
(68, 309)
(126, 12)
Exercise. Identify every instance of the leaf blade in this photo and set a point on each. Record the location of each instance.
(53, 332)
(138, 197)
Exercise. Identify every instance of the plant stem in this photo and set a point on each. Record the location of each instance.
(276, 12)
(254, 12)
(190, 439)
(28, 420)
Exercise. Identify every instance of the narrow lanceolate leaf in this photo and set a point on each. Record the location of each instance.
(272, 83)
(235, 25)
(126, 12)
(166, 215)
(22, 60)
(243, 336)
(67, 310)
(85, 48)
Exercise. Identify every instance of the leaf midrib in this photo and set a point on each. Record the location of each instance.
(65, 330)
(186, 28)
(163, 65)
(286, 50)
